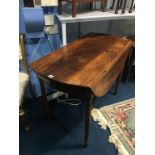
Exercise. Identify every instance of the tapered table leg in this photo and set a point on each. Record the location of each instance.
(130, 58)
(23, 117)
(88, 118)
(44, 98)
(118, 82)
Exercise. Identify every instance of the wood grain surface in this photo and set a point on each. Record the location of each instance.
(92, 62)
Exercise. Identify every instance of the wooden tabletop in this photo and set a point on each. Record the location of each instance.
(83, 62)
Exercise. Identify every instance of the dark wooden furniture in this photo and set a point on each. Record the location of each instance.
(22, 114)
(123, 10)
(129, 65)
(131, 6)
(121, 4)
(28, 3)
(74, 2)
(85, 68)
(25, 63)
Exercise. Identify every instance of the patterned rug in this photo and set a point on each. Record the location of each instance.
(120, 119)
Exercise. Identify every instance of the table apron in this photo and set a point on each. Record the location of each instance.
(78, 91)
(103, 86)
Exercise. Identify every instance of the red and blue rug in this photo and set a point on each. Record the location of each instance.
(120, 119)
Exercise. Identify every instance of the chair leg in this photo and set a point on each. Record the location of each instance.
(120, 5)
(123, 10)
(104, 3)
(131, 7)
(113, 3)
(23, 117)
(117, 7)
(73, 8)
